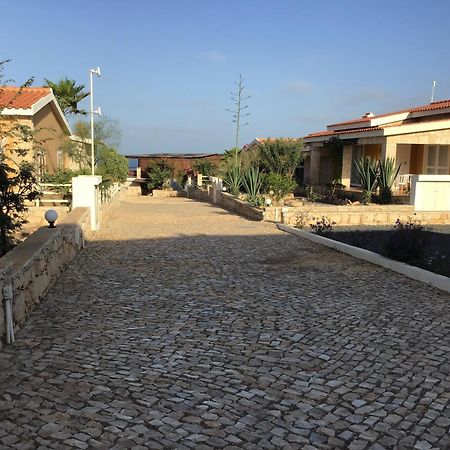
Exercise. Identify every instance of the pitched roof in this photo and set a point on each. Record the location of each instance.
(332, 132)
(431, 112)
(441, 104)
(27, 101)
(12, 97)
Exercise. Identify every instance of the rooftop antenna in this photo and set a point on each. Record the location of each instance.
(432, 92)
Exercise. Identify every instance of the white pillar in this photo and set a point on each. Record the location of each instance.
(84, 194)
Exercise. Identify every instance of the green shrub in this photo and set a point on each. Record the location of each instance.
(280, 156)
(61, 176)
(159, 175)
(387, 173)
(311, 196)
(280, 185)
(252, 182)
(368, 177)
(205, 167)
(322, 226)
(408, 242)
(232, 179)
(111, 165)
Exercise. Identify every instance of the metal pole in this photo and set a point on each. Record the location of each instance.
(92, 125)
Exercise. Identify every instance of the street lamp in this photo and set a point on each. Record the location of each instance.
(98, 111)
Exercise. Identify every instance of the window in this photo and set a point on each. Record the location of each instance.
(59, 159)
(437, 160)
(357, 153)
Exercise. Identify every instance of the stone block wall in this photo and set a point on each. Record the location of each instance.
(353, 215)
(227, 201)
(165, 193)
(34, 265)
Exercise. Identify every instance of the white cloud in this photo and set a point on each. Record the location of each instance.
(298, 86)
(213, 55)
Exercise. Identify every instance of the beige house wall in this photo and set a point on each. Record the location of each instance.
(403, 157)
(408, 149)
(416, 159)
(418, 143)
(7, 125)
(51, 132)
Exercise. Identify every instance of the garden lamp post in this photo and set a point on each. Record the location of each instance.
(98, 111)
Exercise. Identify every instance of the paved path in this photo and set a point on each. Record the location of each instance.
(183, 326)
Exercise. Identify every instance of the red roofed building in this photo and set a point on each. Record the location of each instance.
(37, 110)
(417, 138)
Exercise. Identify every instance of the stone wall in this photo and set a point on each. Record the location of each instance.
(227, 201)
(165, 193)
(36, 219)
(33, 266)
(353, 215)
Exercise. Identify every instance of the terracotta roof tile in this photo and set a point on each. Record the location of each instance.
(16, 98)
(429, 107)
(335, 133)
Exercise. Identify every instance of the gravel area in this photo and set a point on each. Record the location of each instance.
(436, 256)
(183, 326)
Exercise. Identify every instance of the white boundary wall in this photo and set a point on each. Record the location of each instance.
(430, 192)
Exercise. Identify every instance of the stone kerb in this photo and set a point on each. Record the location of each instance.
(33, 266)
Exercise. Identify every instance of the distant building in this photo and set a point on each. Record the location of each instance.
(179, 161)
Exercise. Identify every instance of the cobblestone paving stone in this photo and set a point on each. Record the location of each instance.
(183, 326)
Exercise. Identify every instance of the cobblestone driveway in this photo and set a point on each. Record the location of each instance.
(183, 326)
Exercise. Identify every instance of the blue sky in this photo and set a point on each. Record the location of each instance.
(168, 66)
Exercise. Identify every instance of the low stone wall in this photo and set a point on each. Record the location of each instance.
(35, 217)
(227, 201)
(353, 215)
(165, 193)
(34, 265)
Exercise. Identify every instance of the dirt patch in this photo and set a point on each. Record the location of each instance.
(376, 239)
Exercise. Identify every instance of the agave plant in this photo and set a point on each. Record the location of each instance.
(252, 182)
(233, 179)
(368, 177)
(387, 173)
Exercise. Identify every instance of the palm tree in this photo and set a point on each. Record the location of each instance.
(68, 95)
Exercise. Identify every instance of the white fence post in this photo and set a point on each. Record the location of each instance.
(85, 194)
(217, 184)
